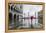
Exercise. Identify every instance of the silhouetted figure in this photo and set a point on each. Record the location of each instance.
(32, 17)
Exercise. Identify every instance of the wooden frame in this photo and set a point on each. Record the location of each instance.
(22, 2)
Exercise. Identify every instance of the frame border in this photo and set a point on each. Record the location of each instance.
(22, 2)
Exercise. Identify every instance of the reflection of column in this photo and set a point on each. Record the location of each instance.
(28, 16)
(23, 20)
(35, 16)
(12, 20)
(17, 21)
(36, 20)
(28, 20)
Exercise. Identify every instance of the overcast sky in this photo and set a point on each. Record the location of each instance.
(31, 9)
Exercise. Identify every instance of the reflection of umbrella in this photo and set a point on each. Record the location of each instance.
(32, 17)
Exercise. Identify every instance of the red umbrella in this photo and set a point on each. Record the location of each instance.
(32, 17)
